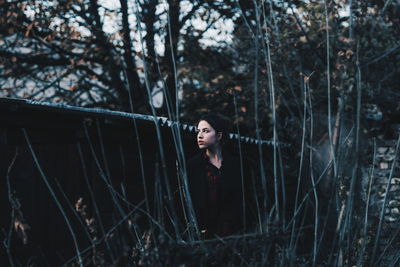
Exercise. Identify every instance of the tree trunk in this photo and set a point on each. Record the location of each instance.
(137, 94)
(171, 43)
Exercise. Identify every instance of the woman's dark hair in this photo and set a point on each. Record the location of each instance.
(219, 123)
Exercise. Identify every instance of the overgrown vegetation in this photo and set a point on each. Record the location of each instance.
(321, 75)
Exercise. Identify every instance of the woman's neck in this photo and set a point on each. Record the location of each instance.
(214, 152)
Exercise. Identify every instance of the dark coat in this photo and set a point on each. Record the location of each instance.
(230, 195)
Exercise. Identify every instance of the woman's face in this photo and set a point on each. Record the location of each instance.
(206, 135)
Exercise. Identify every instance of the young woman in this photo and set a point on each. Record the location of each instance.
(215, 183)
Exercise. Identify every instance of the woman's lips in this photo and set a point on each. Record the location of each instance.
(200, 142)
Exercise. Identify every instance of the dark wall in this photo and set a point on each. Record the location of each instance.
(111, 163)
(59, 159)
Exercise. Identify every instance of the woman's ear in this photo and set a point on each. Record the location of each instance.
(219, 136)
